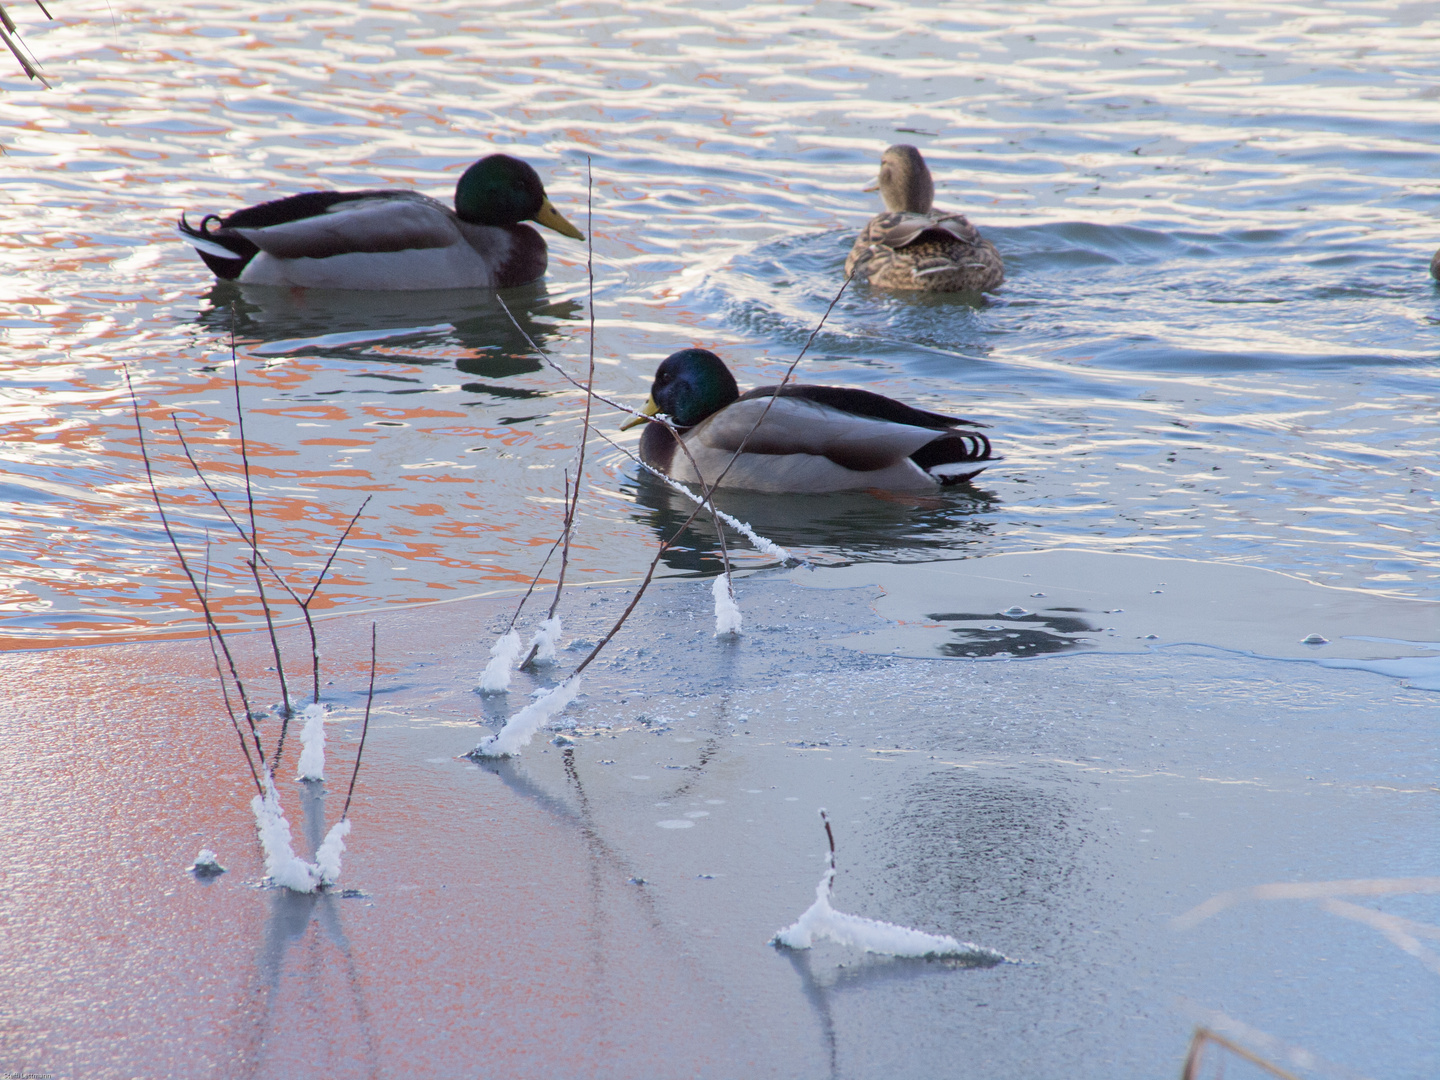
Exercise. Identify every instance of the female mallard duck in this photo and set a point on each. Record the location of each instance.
(390, 239)
(913, 245)
(814, 438)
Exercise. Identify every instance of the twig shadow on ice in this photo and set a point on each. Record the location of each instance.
(288, 924)
(820, 982)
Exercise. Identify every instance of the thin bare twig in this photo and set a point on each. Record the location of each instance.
(364, 729)
(574, 503)
(303, 605)
(776, 396)
(762, 543)
(515, 616)
(254, 563)
(225, 689)
(210, 623)
(830, 836)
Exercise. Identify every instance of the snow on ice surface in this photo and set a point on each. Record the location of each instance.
(312, 741)
(327, 856)
(821, 922)
(502, 658)
(545, 641)
(521, 728)
(282, 865)
(727, 612)
(1421, 672)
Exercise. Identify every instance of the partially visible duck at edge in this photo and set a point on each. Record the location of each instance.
(390, 239)
(1435, 266)
(912, 245)
(814, 438)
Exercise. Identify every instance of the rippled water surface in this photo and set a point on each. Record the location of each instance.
(1217, 338)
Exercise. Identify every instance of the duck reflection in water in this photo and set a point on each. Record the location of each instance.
(834, 528)
(466, 327)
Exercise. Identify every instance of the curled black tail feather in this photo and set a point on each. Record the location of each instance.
(953, 448)
(227, 269)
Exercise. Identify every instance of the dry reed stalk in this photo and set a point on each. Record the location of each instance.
(11, 36)
(1307, 890)
(1191, 1070)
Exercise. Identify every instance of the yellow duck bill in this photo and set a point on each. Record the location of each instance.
(650, 409)
(551, 218)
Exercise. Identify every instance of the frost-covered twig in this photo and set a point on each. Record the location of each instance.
(521, 728)
(762, 544)
(708, 491)
(282, 866)
(821, 922)
(543, 644)
(327, 855)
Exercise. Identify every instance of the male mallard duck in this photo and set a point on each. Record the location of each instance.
(913, 245)
(1435, 266)
(814, 438)
(390, 239)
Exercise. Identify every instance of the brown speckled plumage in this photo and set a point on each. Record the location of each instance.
(913, 246)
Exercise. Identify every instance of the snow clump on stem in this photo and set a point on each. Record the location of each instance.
(821, 922)
(545, 640)
(496, 679)
(327, 856)
(312, 742)
(282, 865)
(521, 728)
(727, 612)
